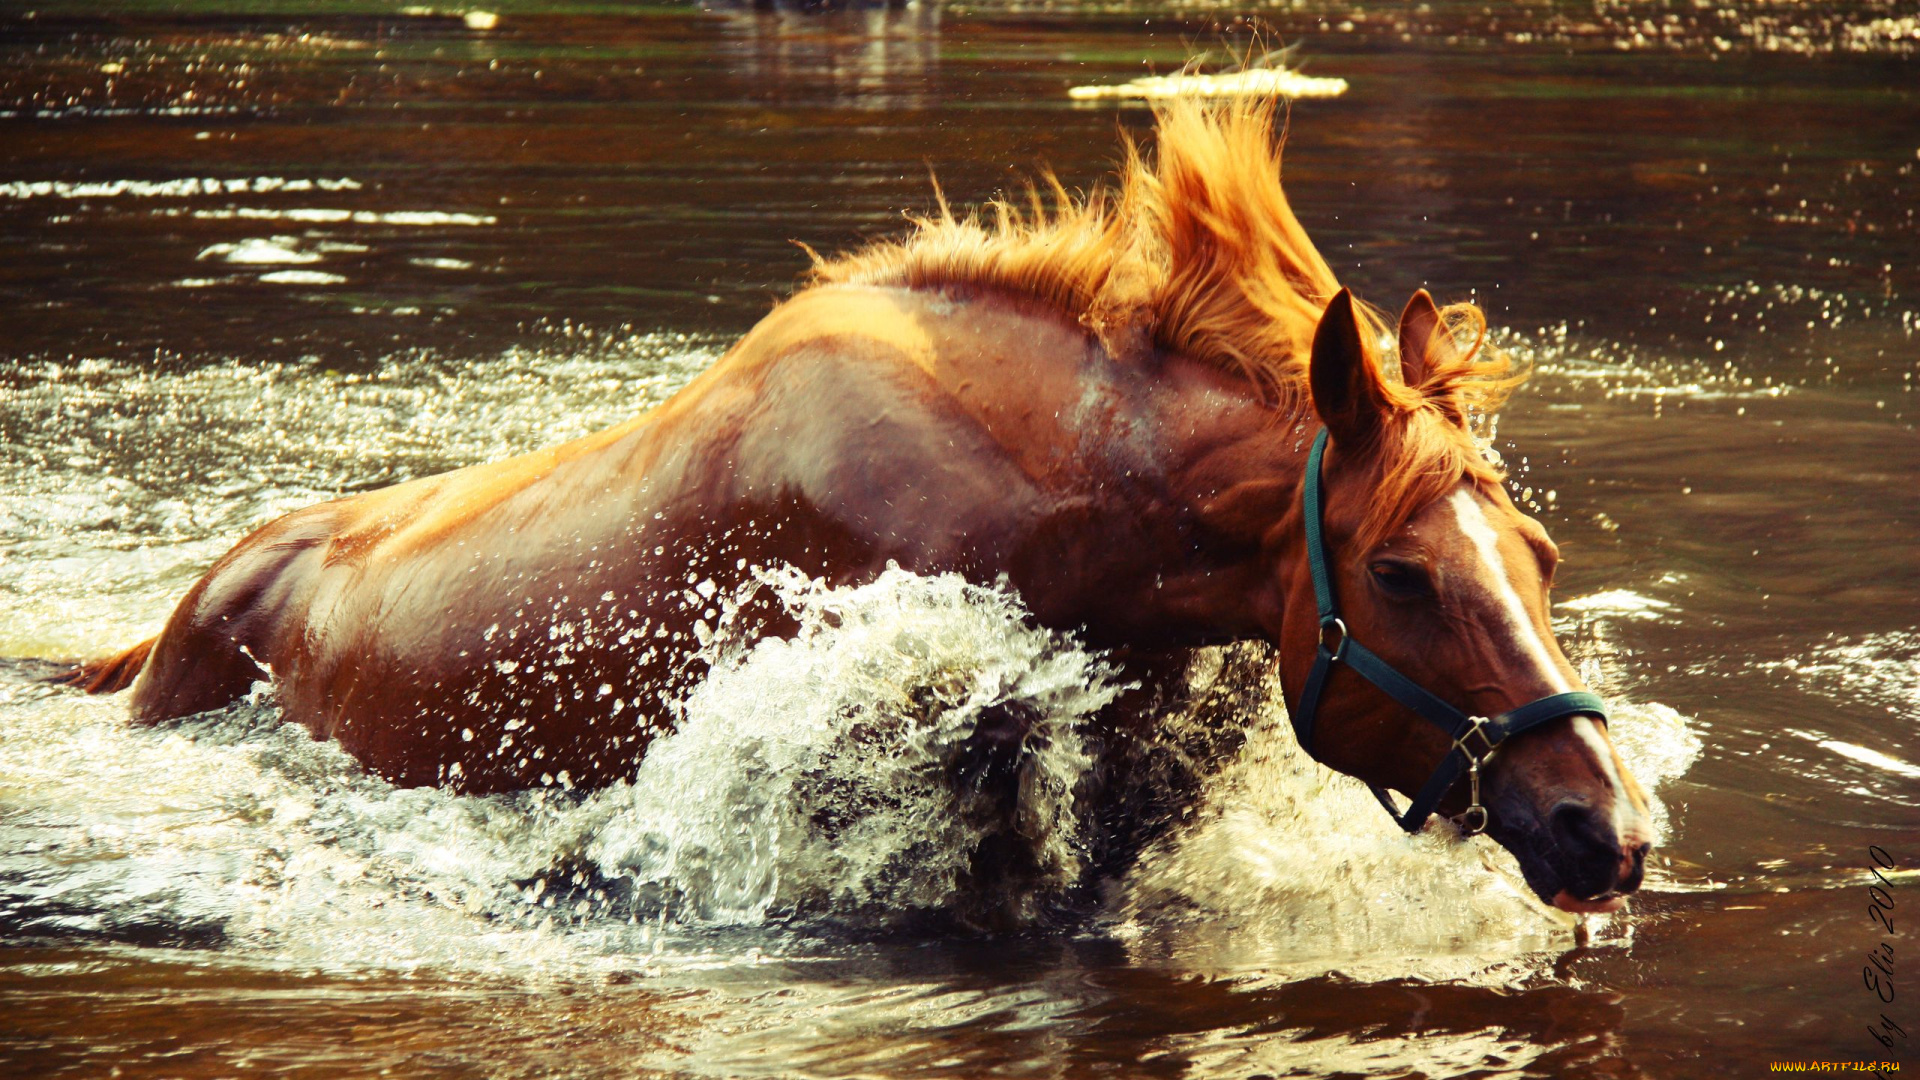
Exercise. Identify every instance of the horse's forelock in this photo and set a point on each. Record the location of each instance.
(1422, 453)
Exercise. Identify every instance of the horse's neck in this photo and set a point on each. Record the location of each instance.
(1223, 439)
(1190, 559)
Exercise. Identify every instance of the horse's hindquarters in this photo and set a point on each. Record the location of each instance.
(225, 634)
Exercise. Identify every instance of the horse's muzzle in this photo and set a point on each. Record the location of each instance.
(1579, 852)
(1597, 865)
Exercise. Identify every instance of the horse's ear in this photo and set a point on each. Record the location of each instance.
(1348, 393)
(1419, 324)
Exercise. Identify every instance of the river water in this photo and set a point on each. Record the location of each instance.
(255, 261)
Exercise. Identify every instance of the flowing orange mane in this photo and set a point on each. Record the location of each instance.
(1196, 251)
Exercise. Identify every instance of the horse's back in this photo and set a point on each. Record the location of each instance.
(444, 629)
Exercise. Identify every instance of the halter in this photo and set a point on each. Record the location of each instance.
(1337, 647)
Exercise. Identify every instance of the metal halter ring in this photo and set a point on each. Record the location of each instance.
(1339, 628)
(1473, 820)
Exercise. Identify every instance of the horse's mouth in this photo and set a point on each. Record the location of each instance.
(1558, 889)
(1599, 905)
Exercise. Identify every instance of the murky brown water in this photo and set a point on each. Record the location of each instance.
(253, 261)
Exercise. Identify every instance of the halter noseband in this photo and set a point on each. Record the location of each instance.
(1459, 727)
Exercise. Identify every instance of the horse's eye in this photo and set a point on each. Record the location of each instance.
(1400, 578)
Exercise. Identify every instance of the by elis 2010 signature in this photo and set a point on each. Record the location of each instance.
(1877, 973)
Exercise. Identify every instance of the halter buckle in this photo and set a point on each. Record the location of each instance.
(1339, 628)
(1473, 820)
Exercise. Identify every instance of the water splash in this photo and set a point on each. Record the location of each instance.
(1293, 868)
(824, 776)
(829, 772)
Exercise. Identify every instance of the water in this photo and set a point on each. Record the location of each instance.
(263, 260)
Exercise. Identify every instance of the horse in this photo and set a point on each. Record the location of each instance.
(1104, 400)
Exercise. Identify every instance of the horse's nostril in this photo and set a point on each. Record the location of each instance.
(1580, 831)
(1636, 867)
(1592, 852)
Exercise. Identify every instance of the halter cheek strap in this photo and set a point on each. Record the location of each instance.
(1474, 738)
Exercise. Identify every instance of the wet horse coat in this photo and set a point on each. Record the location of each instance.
(1105, 402)
(524, 618)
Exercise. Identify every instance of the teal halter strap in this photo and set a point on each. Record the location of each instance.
(1337, 647)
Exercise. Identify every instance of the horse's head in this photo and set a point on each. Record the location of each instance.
(1442, 578)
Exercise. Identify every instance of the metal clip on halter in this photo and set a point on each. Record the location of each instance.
(1473, 820)
(1458, 725)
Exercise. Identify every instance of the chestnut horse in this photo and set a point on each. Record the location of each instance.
(1108, 400)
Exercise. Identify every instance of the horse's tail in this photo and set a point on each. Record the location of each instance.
(109, 675)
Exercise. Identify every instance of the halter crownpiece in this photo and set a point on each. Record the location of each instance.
(1336, 646)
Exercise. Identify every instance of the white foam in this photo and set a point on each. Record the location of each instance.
(1871, 757)
(302, 277)
(182, 188)
(244, 823)
(326, 215)
(1254, 82)
(1618, 603)
(255, 251)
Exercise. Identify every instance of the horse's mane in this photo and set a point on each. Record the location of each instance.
(1196, 250)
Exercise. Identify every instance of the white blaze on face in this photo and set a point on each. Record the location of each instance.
(1475, 526)
(1525, 639)
(1588, 732)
